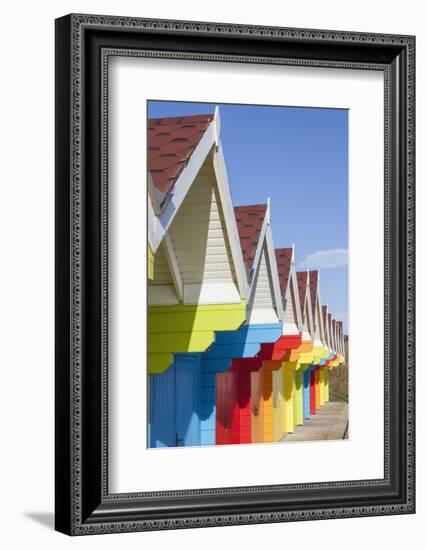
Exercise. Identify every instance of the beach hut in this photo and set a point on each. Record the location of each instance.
(319, 348)
(283, 378)
(264, 316)
(327, 345)
(340, 341)
(197, 282)
(303, 280)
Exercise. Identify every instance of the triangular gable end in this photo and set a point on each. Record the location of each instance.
(341, 340)
(262, 304)
(254, 231)
(332, 333)
(319, 325)
(309, 311)
(200, 244)
(305, 304)
(324, 319)
(292, 313)
(320, 337)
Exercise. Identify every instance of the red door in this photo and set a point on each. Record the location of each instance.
(227, 419)
(317, 388)
(257, 419)
(244, 406)
(312, 391)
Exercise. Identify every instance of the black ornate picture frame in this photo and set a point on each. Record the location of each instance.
(83, 45)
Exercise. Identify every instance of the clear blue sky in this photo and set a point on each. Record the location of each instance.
(299, 158)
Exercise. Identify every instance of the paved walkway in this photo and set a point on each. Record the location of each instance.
(329, 422)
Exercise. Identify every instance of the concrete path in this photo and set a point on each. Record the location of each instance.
(329, 422)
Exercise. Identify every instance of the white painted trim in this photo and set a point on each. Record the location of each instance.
(274, 272)
(341, 342)
(322, 333)
(327, 329)
(207, 293)
(292, 279)
(308, 306)
(257, 258)
(261, 317)
(332, 339)
(183, 184)
(152, 222)
(155, 195)
(293, 328)
(265, 239)
(217, 126)
(173, 266)
(230, 221)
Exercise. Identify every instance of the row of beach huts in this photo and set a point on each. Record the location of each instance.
(239, 343)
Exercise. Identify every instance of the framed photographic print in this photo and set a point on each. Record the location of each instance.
(234, 274)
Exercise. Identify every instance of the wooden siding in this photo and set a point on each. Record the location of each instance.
(162, 275)
(298, 397)
(288, 394)
(317, 389)
(290, 316)
(262, 295)
(150, 263)
(161, 290)
(227, 421)
(257, 407)
(267, 404)
(244, 342)
(181, 329)
(174, 404)
(278, 428)
(306, 393)
(312, 390)
(198, 234)
(326, 385)
(322, 394)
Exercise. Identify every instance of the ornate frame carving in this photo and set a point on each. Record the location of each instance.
(84, 44)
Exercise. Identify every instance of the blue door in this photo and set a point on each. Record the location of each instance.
(187, 397)
(306, 393)
(161, 404)
(174, 404)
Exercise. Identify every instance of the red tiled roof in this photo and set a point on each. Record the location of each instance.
(313, 285)
(302, 282)
(283, 256)
(171, 142)
(249, 223)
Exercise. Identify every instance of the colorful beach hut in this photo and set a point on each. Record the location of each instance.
(283, 378)
(303, 280)
(240, 391)
(197, 282)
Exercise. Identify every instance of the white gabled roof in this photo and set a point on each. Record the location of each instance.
(292, 320)
(191, 219)
(264, 296)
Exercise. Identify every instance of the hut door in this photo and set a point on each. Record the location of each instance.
(174, 398)
(277, 405)
(187, 422)
(257, 407)
(161, 403)
(225, 408)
